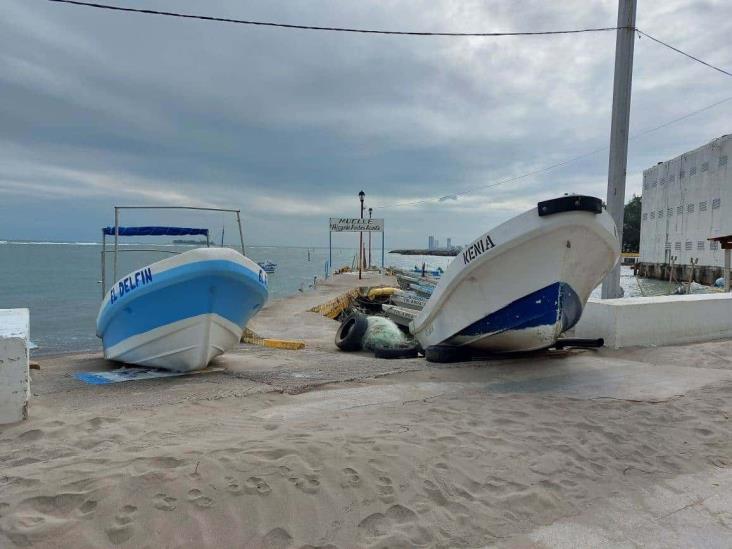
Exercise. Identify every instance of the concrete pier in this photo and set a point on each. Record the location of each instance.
(703, 274)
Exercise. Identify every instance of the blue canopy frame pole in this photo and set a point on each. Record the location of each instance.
(116, 241)
(104, 262)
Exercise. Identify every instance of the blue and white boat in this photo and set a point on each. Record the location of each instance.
(268, 266)
(521, 285)
(180, 312)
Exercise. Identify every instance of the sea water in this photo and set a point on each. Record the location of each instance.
(61, 282)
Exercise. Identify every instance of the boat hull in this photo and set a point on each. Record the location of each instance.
(521, 285)
(180, 313)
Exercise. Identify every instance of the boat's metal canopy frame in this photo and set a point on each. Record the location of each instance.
(116, 233)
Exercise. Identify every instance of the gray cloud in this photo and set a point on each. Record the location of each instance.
(101, 108)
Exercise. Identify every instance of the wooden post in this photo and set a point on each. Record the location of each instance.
(726, 269)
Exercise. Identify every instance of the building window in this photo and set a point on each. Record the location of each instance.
(679, 210)
(692, 171)
(677, 246)
(705, 166)
(653, 215)
(671, 178)
(659, 214)
(645, 216)
(682, 174)
(703, 206)
(668, 246)
(687, 246)
(690, 208)
(700, 245)
(714, 245)
(669, 212)
(722, 161)
(662, 181)
(645, 185)
(716, 203)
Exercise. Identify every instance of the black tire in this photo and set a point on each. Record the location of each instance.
(446, 354)
(399, 352)
(349, 336)
(579, 342)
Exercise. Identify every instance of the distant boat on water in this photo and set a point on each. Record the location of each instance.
(182, 242)
(268, 266)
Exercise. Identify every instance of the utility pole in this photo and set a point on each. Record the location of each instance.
(618, 162)
(371, 210)
(361, 196)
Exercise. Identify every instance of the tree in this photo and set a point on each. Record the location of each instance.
(632, 224)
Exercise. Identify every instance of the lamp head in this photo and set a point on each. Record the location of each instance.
(361, 196)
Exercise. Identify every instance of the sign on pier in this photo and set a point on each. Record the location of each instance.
(355, 225)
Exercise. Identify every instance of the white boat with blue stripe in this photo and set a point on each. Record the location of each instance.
(181, 312)
(521, 285)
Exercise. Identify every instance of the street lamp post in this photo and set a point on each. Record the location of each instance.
(371, 210)
(361, 196)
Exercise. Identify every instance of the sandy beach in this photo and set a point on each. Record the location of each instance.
(316, 448)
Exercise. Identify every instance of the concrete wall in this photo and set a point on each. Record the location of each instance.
(14, 376)
(663, 320)
(686, 200)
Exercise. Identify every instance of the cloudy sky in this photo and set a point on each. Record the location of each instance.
(100, 108)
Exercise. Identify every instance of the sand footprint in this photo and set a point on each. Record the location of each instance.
(277, 538)
(308, 484)
(351, 478)
(434, 493)
(164, 502)
(122, 527)
(399, 523)
(87, 508)
(196, 497)
(233, 486)
(385, 489)
(256, 485)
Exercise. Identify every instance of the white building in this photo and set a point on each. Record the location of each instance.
(431, 242)
(687, 200)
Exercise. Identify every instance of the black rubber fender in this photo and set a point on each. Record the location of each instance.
(397, 352)
(349, 336)
(446, 354)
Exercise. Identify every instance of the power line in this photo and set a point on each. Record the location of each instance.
(317, 28)
(376, 31)
(453, 196)
(677, 50)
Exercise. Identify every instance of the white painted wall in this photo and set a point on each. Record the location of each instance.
(662, 320)
(686, 200)
(14, 375)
